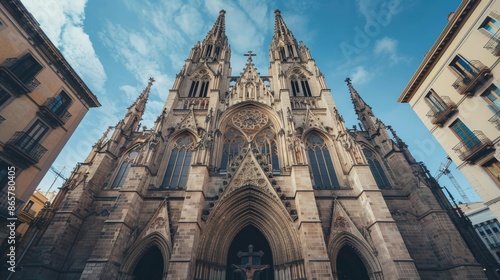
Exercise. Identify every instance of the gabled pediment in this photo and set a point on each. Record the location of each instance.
(188, 122)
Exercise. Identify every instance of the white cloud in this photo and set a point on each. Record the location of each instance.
(361, 75)
(388, 46)
(189, 20)
(62, 21)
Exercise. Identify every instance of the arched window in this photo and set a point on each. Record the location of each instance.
(233, 143)
(300, 86)
(377, 170)
(199, 85)
(320, 163)
(178, 164)
(124, 170)
(266, 145)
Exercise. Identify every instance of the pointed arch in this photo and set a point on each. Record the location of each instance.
(321, 164)
(127, 159)
(377, 170)
(179, 161)
(361, 248)
(139, 248)
(246, 206)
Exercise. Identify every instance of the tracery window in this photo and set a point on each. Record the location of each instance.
(320, 163)
(300, 86)
(233, 143)
(124, 170)
(199, 85)
(178, 163)
(377, 170)
(265, 143)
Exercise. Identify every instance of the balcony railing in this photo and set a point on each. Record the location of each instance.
(193, 102)
(13, 83)
(493, 45)
(53, 114)
(24, 149)
(440, 115)
(478, 76)
(476, 146)
(495, 120)
(301, 102)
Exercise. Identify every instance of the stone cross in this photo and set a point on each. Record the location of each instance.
(249, 54)
(250, 268)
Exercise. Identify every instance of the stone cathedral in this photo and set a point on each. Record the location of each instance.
(250, 177)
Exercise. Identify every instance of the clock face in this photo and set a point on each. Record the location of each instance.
(249, 120)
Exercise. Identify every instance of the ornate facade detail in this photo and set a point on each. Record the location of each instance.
(250, 120)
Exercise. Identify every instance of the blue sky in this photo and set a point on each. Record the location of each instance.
(116, 45)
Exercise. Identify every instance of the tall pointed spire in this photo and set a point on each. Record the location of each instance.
(140, 103)
(359, 104)
(281, 31)
(218, 31)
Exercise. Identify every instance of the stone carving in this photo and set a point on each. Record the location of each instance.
(250, 120)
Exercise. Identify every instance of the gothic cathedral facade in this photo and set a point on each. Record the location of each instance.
(250, 175)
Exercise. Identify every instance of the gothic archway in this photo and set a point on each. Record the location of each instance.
(350, 266)
(240, 254)
(150, 266)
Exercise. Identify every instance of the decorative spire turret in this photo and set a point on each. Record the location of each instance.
(284, 47)
(215, 41)
(218, 31)
(359, 104)
(140, 103)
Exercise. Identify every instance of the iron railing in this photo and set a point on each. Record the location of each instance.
(29, 85)
(495, 120)
(446, 109)
(476, 76)
(27, 146)
(56, 110)
(474, 146)
(493, 45)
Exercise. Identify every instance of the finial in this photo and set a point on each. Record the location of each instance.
(348, 81)
(277, 12)
(222, 12)
(249, 54)
(151, 80)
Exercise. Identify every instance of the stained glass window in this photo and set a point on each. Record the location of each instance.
(178, 164)
(377, 170)
(320, 163)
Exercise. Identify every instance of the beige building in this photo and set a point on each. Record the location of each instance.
(456, 93)
(252, 174)
(42, 101)
(30, 209)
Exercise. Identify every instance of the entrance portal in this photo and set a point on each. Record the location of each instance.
(150, 266)
(239, 255)
(350, 266)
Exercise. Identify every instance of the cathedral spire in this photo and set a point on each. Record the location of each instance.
(140, 103)
(281, 31)
(359, 104)
(218, 31)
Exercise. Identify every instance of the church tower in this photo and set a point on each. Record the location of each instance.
(248, 175)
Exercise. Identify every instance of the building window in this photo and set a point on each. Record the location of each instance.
(290, 51)
(463, 67)
(178, 164)
(492, 96)
(60, 103)
(233, 144)
(266, 145)
(4, 96)
(28, 206)
(464, 134)
(295, 86)
(124, 170)
(305, 86)
(491, 25)
(208, 50)
(33, 136)
(26, 68)
(377, 170)
(493, 168)
(282, 54)
(304, 89)
(320, 163)
(199, 91)
(435, 101)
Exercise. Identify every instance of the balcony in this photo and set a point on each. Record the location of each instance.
(493, 45)
(478, 76)
(301, 102)
(200, 103)
(495, 120)
(12, 82)
(475, 147)
(439, 116)
(54, 113)
(23, 149)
